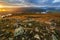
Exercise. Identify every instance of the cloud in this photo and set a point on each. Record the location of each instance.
(31, 3)
(56, 1)
(27, 1)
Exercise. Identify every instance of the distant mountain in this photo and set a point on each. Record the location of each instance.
(41, 9)
(34, 9)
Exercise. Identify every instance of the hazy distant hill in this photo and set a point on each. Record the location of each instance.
(40, 9)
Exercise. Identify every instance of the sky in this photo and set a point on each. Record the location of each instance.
(56, 1)
(34, 3)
